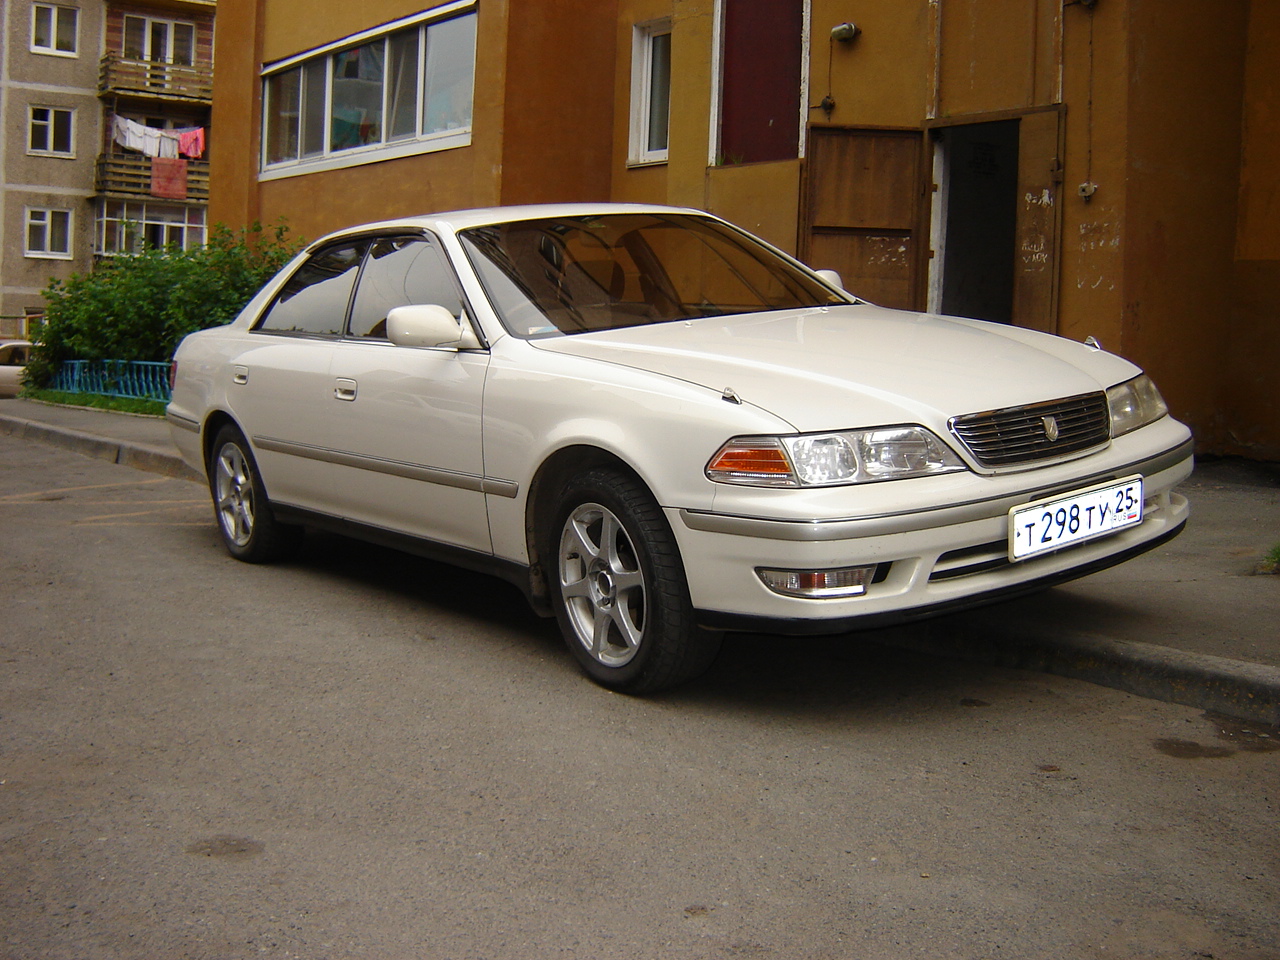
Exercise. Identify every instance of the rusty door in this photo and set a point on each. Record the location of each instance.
(863, 211)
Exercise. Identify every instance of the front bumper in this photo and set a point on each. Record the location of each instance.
(944, 554)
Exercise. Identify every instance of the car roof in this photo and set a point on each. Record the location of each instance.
(454, 220)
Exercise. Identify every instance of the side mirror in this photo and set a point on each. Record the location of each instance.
(428, 325)
(831, 277)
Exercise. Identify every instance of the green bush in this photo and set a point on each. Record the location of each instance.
(139, 307)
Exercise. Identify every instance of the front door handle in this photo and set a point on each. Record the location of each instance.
(345, 389)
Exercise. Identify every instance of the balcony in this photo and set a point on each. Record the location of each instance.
(187, 7)
(155, 80)
(129, 175)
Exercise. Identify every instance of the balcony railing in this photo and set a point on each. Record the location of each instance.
(155, 80)
(128, 174)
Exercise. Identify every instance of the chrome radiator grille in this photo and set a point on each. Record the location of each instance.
(1040, 431)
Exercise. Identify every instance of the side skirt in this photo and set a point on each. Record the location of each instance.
(514, 573)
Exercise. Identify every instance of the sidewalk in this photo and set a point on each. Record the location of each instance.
(135, 441)
(1190, 622)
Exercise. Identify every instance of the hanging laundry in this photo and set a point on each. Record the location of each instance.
(191, 142)
(144, 139)
(128, 134)
(169, 178)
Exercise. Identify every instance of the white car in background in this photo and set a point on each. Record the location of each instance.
(661, 428)
(14, 355)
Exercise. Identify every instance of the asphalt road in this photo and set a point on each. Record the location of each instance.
(361, 754)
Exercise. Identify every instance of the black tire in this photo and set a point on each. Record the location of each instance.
(246, 522)
(619, 589)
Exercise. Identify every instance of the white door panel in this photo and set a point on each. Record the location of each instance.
(409, 441)
(281, 395)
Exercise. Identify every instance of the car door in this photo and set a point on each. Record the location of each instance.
(281, 390)
(408, 419)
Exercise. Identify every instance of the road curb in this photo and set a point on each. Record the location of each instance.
(140, 456)
(1234, 688)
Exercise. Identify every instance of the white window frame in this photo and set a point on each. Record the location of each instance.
(137, 217)
(44, 216)
(384, 149)
(642, 93)
(51, 123)
(51, 10)
(166, 57)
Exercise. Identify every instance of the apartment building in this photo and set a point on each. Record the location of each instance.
(1103, 168)
(113, 101)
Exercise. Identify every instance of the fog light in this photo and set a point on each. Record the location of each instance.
(818, 584)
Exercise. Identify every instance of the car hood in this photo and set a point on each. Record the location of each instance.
(858, 365)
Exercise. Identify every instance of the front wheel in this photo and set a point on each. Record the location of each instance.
(249, 528)
(620, 592)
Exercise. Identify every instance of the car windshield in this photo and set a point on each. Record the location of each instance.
(565, 275)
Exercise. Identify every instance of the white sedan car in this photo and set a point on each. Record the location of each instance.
(661, 428)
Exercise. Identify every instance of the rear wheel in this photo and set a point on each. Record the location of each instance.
(249, 528)
(620, 592)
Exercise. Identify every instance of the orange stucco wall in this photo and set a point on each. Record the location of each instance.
(1249, 404)
(1094, 47)
(1185, 89)
(234, 136)
(882, 79)
(558, 115)
(541, 115)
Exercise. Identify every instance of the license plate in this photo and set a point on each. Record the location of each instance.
(1046, 525)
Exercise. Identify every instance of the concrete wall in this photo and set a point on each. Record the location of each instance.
(42, 181)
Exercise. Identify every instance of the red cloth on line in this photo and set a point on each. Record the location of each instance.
(191, 142)
(169, 178)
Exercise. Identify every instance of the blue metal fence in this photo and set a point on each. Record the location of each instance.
(144, 380)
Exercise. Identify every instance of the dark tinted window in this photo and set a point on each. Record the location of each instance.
(315, 298)
(578, 274)
(400, 271)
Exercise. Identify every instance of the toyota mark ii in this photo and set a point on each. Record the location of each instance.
(662, 429)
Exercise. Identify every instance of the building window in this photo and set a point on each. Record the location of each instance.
(54, 29)
(761, 109)
(407, 90)
(159, 41)
(126, 227)
(650, 91)
(48, 233)
(50, 132)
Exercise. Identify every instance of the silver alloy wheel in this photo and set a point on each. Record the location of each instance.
(602, 584)
(233, 484)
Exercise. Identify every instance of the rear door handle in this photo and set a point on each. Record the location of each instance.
(345, 389)
(239, 374)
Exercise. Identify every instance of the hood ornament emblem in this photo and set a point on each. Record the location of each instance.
(1051, 428)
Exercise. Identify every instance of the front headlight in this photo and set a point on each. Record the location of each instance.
(829, 459)
(1134, 404)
